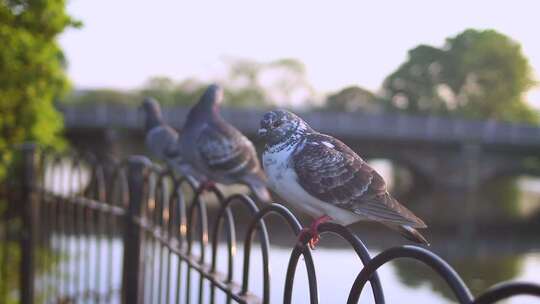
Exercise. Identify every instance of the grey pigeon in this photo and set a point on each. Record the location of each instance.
(321, 176)
(219, 151)
(163, 141)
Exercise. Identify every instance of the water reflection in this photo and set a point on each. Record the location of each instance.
(479, 273)
(403, 281)
(501, 203)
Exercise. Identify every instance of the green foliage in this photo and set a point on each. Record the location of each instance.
(9, 255)
(10, 259)
(352, 99)
(32, 72)
(162, 88)
(247, 84)
(32, 76)
(100, 96)
(477, 74)
(170, 93)
(243, 75)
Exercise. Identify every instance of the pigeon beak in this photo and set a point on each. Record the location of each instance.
(262, 132)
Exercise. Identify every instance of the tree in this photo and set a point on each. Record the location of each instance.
(32, 76)
(247, 84)
(169, 92)
(164, 89)
(351, 99)
(101, 96)
(258, 84)
(161, 88)
(32, 73)
(477, 74)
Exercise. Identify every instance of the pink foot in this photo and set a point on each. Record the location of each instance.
(313, 231)
(206, 185)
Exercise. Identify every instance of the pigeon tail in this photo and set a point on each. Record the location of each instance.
(183, 169)
(257, 184)
(409, 233)
(261, 193)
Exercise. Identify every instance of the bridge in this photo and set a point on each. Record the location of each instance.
(440, 151)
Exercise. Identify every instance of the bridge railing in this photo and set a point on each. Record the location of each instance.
(341, 124)
(131, 232)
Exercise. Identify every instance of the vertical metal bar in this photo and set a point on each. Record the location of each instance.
(146, 272)
(80, 220)
(96, 220)
(152, 243)
(71, 208)
(29, 218)
(137, 183)
(179, 281)
(44, 227)
(110, 231)
(169, 224)
(180, 234)
(5, 257)
(168, 277)
(54, 211)
(159, 199)
(63, 231)
(99, 229)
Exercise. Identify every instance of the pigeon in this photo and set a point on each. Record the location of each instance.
(163, 141)
(219, 151)
(323, 177)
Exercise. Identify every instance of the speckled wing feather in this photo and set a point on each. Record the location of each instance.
(333, 173)
(226, 151)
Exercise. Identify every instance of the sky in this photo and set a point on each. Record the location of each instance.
(124, 42)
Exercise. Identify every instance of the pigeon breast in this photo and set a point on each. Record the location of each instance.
(162, 141)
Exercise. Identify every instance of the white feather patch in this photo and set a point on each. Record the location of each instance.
(283, 180)
(329, 145)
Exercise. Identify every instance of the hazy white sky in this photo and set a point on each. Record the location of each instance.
(123, 42)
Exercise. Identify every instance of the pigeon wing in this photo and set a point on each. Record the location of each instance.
(226, 151)
(333, 173)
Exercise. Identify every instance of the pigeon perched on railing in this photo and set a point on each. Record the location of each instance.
(323, 177)
(163, 141)
(219, 151)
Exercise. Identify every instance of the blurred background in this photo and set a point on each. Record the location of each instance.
(442, 98)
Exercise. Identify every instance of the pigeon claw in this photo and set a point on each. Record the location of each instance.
(313, 232)
(306, 233)
(314, 241)
(206, 185)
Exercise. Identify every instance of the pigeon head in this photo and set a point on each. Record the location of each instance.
(152, 113)
(281, 125)
(212, 97)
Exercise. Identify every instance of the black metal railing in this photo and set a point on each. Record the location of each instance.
(79, 230)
